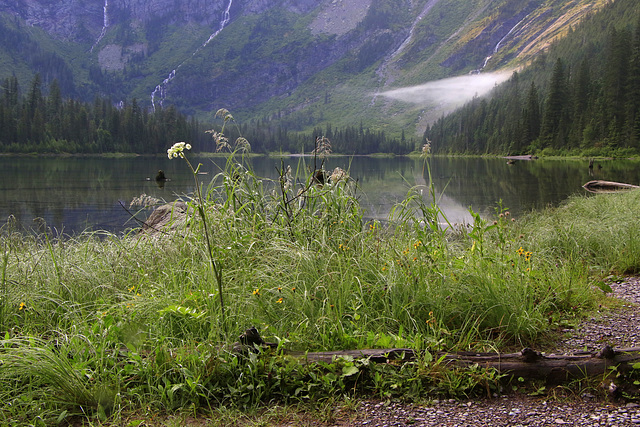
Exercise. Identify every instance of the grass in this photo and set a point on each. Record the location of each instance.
(103, 327)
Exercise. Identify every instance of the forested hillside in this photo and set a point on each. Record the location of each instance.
(294, 64)
(50, 124)
(290, 72)
(582, 97)
(47, 123)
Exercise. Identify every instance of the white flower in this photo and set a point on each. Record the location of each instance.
(177, 150)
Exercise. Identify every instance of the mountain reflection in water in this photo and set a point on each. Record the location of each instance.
(75, 194)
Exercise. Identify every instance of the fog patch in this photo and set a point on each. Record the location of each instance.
(454, 91)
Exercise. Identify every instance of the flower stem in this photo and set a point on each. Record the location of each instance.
(215, 266)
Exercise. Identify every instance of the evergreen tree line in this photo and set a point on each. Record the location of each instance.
(581, 97)
(266, 137)
(35, 123)
(39, 123)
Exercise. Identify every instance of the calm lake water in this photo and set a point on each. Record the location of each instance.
(76, 194)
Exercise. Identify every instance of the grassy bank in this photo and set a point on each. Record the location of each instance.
(101, 326)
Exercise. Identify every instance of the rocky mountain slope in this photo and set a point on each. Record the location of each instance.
(302, 63)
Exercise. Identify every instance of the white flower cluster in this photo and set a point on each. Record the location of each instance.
(177, 149)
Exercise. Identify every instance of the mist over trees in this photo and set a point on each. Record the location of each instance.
(583, 96)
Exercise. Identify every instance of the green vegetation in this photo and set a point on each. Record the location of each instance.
(50, 124)
(582, 97)
(107, 327)
(27, 52)
(39, 123)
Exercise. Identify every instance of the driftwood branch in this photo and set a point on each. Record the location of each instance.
(599, 186)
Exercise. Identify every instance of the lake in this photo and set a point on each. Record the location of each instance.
(73, 194)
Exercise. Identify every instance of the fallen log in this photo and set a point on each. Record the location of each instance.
(552, 368)
(599, 186)
(528, 363)
(525, 157)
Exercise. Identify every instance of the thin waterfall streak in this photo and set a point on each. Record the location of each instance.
(105, 16)
(160, 90)
(495, 50)
(497, 47)
(105, 24)
(406, 41)
(226, 17)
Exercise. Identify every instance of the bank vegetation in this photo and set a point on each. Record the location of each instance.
(103, 326)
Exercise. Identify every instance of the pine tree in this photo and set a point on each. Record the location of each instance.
(554, 108)
(633, 90)
(615, 84)
(34, 97)
(54, 110)
(581, 93)
(530, 117)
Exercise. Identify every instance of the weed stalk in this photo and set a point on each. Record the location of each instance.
(177, 150)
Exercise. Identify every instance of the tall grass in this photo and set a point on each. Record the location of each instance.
(105, 324)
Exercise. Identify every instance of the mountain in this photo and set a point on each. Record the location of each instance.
(580, 97)
(298, 63)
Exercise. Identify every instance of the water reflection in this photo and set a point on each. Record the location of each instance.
(74, 194)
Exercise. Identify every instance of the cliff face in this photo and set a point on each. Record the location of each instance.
(73, 19)
(62, 19)
(300, 61)
(70, 19)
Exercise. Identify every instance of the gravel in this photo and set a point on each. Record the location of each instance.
(619, 328)
(505, 411)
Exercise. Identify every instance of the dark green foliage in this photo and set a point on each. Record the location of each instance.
(386, 14)
(584, 95)
(48, 64)
(49, 124)
(531, 118)
(39, 123)
(554, 120)
(269, 137)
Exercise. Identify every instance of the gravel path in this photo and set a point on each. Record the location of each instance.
(499, 412)
(619, 328)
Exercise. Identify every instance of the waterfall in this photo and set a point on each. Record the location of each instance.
(497, 47)
(105, 23)
(160, 90)
(427, 8)
(225, 20)
(382, 70)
